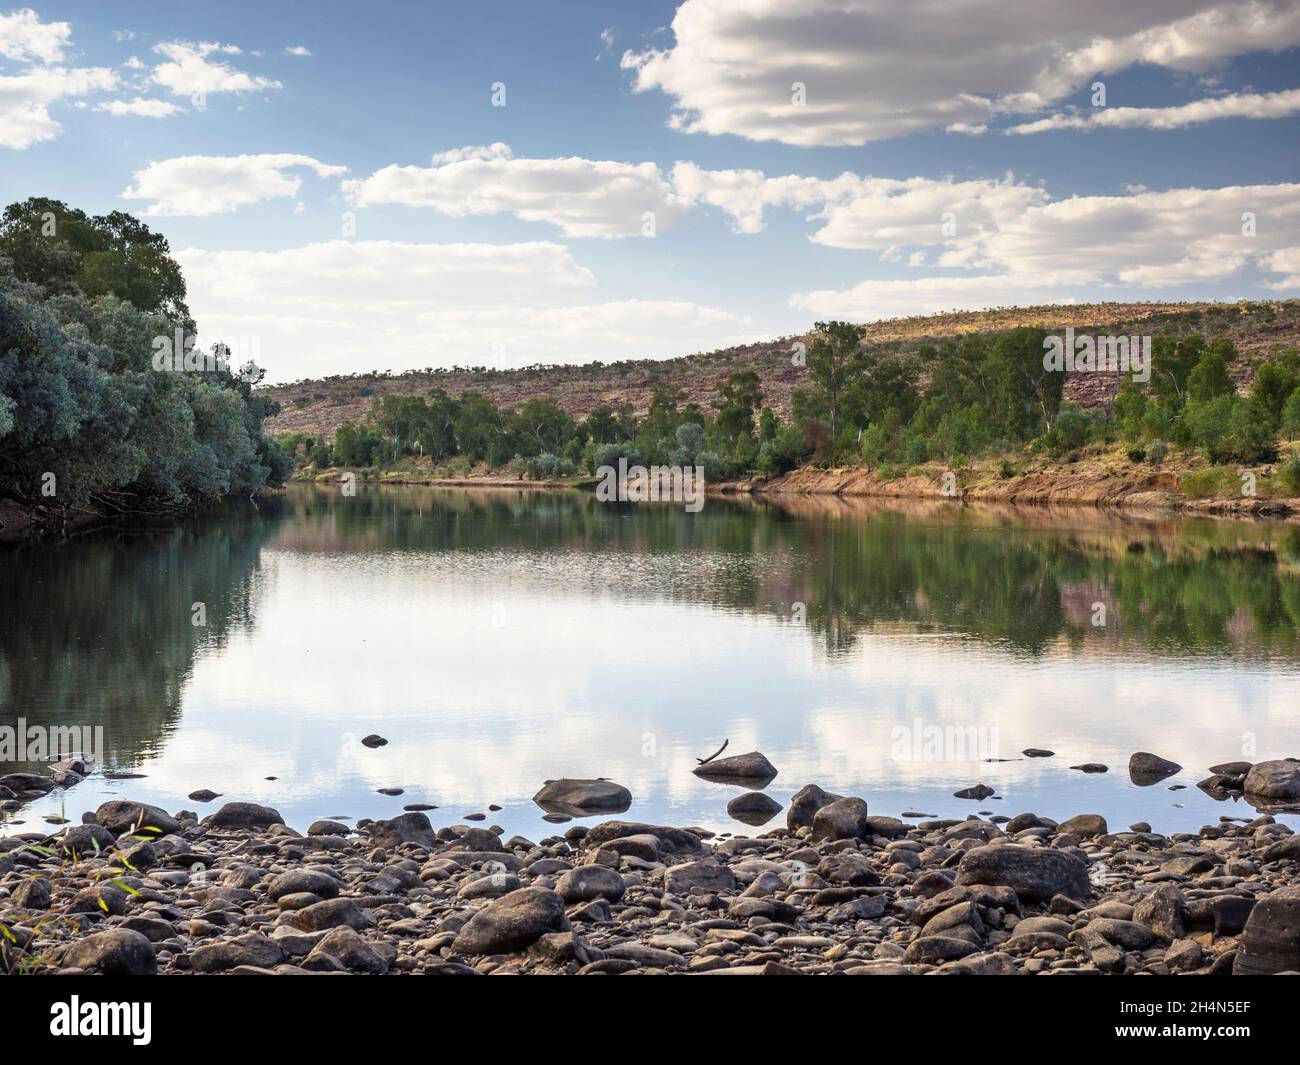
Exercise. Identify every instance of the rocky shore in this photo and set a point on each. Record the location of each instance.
(135, 890)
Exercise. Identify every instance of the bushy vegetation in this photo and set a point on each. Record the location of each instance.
(85, 419)
(967, 398)
(541, 441)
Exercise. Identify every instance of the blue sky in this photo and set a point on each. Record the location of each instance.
(343, 195)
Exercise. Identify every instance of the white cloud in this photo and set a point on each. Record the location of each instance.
(140, 107)
(213, 184)
(1139, 241)
(298, 50)
(1286, 261)
(24, 37)
(584, 197)
(346, 305)
(189, 69)
(898, 298)
(874, 69)
(25, 100)
(1237, 105)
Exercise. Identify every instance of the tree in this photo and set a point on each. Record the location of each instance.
(63, 250)
(1209, 379)
(834, 360)
(476, 424)
(740, 396)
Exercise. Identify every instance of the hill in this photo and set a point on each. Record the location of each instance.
(319, 407)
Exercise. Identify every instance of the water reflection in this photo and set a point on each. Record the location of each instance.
(503, 638)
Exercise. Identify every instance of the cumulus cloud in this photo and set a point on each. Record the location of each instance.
(873, 69)
(298, 50)
(190, 68)
(337, 306)
(1142, 240)
(214, 184)
(24, 37)
(584, 197)
(1236, 105)
(26, 97)
(25, 100)
(140, 107)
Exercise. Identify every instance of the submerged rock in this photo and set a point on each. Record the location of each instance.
(578, 798)
(753, 808)
(739, 767)
(1145, 769)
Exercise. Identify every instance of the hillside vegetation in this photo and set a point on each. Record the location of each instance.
(317, 408)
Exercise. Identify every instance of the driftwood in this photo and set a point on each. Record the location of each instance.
(706, 761)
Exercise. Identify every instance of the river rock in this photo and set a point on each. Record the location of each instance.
(751, 767)
(805, 803)
(243, 815)
(1277, 779)
(85, 840)
(413, 827)
(332, 913)
(512, 923)
(32, 894)
(1085, 825)
(328, 828)
(295, 881)
(588, 882)
(1034, 873)
(122, 815)
(252, 948)
(114, 952)
(671, 840)
(753, 808)
(579, 798)
(1145, 769)
(203, 795)
(978, 791)
(352, 952)
(707, 876)
(841, 819)
(1270, 942)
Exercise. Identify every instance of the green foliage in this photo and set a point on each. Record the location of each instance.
(1289, 474)
(1290, 421)
(1209, 379)
(79, 398)
(66, 252)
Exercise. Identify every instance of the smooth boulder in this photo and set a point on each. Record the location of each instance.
(752, 766)
(841, 819)
(122, 815)
(512, 923)
(805, 803)
(115, 952)
(1035, 874)
(1270, 942)
(1145, 769)
(243, 815)
(1277, 779)
(579, 798)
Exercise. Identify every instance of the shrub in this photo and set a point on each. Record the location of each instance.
(1156, 452)
(1137, 454)
(1289, 474)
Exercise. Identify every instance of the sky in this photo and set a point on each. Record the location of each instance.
(413, 184)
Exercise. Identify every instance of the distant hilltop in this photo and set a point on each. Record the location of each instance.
(319, 407)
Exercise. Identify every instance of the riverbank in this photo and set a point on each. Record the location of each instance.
(1098, 482)
(135, 890)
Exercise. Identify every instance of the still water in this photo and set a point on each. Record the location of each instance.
(500, 638)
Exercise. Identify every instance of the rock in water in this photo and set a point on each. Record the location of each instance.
(805, 803)
(115, 952)
(753, 808)
(246, 815)
(978, 791)
(746, 767)
(579, 798)
(1035, 874)
(1278, 779)
(374, 740)
(1270, 942)
(1145, 769)
(404, 828)
(512, 923)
